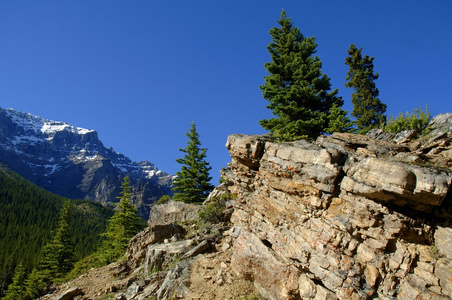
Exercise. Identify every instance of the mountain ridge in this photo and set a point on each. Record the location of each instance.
(72, 162)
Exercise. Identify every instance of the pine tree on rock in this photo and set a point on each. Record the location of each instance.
(122, 226)
(367, 108)
(339, 121)
(192, 184)
(296, 88)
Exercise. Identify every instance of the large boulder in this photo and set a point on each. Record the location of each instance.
(441, 124)
(172, 212)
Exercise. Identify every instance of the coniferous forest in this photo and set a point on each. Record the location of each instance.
(29, 216)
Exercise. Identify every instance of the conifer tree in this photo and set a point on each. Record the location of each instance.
(339, 121)
(57, 257)
(122, 226)
(192, 184)
(298, 91)
(367, 108)
(17, 289)
(64, 242)
(35, 283)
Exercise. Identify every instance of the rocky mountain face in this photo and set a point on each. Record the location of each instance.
(72, 161)
(346, 217)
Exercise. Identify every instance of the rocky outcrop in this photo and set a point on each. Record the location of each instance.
(177, 258)
(173, 212)
(346, 217)
(441, 124)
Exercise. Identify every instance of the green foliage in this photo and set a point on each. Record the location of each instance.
(29, 216)
(122, 226)
(221, 180)
(90, 220)
(367, 108)
(213, 212)
(62, 246)
(17, 289)
(57, 257)
(418, 120)
(94, 260)
(435, 252)
(338, 121)
(35, 283)
(296, 89)
(192, 184)
(164, 199)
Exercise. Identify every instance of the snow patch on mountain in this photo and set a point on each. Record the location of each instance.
(32, 131)
(26, 139)
(34, 125)
(72, 162)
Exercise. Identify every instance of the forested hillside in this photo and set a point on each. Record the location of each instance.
(28, 214)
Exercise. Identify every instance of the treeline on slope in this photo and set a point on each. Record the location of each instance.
(301, 99)
(28, 217)
(56, 263)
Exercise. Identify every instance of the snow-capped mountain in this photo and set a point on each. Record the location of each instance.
(72, 161)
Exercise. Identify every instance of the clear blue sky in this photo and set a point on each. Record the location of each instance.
(139, 72)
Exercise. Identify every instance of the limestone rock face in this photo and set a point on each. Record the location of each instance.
(346, 217)
(172, 212)
(441, 123)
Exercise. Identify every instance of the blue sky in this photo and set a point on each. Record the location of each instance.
(139, 72)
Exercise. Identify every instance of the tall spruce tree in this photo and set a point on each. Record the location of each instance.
(35, 283)
(296, 88)
(367, 108)
(57, 257)
(192, 183)
(122, 226)
(16, 290)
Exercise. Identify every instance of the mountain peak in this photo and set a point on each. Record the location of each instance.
(72, 162)
(37, 124)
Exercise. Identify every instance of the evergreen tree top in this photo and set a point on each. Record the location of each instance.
(367, 108)
(297, 90)
(192, 183)
(360, 68)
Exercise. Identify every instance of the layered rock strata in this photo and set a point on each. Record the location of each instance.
(346, 217)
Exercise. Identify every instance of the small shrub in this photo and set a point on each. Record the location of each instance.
(435, 251)
(154, 270)
(163, 199)
(339, 121)
(94, 260)
(417, 120)
(213, 212)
